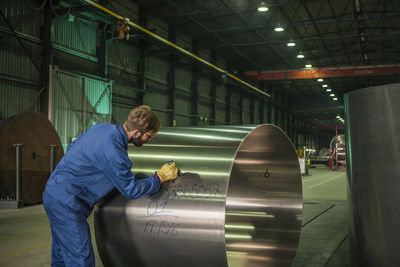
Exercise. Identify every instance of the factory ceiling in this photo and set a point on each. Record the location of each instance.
(346, 45)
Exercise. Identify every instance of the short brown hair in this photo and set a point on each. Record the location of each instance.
(142, 118)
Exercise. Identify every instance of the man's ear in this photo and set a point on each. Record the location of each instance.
(135, 133)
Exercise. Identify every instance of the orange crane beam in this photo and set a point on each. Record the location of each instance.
(324, 73)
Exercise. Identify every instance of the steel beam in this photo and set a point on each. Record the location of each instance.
(360, 71)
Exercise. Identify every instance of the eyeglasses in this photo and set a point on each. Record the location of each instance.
(148, 136)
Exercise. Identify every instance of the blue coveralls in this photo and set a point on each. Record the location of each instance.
(94, 164)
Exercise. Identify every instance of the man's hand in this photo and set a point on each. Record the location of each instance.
(168, 172)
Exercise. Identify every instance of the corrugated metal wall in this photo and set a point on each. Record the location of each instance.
(77, 103)
(19, 78)
(123, 99)
(16, 12)
(16, 97)
(76, 44)
(78, 35)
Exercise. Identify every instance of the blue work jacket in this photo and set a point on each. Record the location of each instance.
(95, 163)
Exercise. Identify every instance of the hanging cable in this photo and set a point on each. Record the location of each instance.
(62, 15)
(37, 8)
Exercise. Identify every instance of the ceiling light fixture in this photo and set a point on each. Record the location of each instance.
(263, 7)
(279, 29)
(291, 44)
(320, 80)
(335, 99)
(324, 85)
(329, 90)
(300, 55)
(308, 66)
(332, 95)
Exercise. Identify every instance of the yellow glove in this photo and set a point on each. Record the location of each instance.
(168, 172)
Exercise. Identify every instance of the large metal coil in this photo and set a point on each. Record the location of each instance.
(373, 171)
(34, 131)
(237, 202)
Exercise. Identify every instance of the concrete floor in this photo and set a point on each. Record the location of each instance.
(25, 238)
(324, 233)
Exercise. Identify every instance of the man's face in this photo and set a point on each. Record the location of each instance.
(139, 138)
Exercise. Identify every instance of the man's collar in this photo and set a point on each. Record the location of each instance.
(124, 136)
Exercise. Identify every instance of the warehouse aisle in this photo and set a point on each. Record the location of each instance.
(25, 238)
(324, 233)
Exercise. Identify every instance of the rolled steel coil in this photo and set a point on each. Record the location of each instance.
(373, 171)
(236, 202)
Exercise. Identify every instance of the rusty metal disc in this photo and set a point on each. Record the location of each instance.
(36, 133)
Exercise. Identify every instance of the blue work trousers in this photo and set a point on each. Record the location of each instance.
(71, 244)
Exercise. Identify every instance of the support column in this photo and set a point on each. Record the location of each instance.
(291, 126)
(277, 109)
(261, 110)
(269, 112)
(102, 52)
(141, 82)
(195, 81)
(252, 110)
(213, 92)
(295, 143)
(228, 107)
(47, 55)
(241, 109)
(284, 113)
(171, 78)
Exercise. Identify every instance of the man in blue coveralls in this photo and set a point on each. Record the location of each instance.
(95, 163)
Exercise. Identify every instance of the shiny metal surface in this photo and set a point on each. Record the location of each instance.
(373, 158)
(237, 203)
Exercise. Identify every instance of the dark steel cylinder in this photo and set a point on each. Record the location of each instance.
(35, 131)
(373, 169)
(237, 202)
